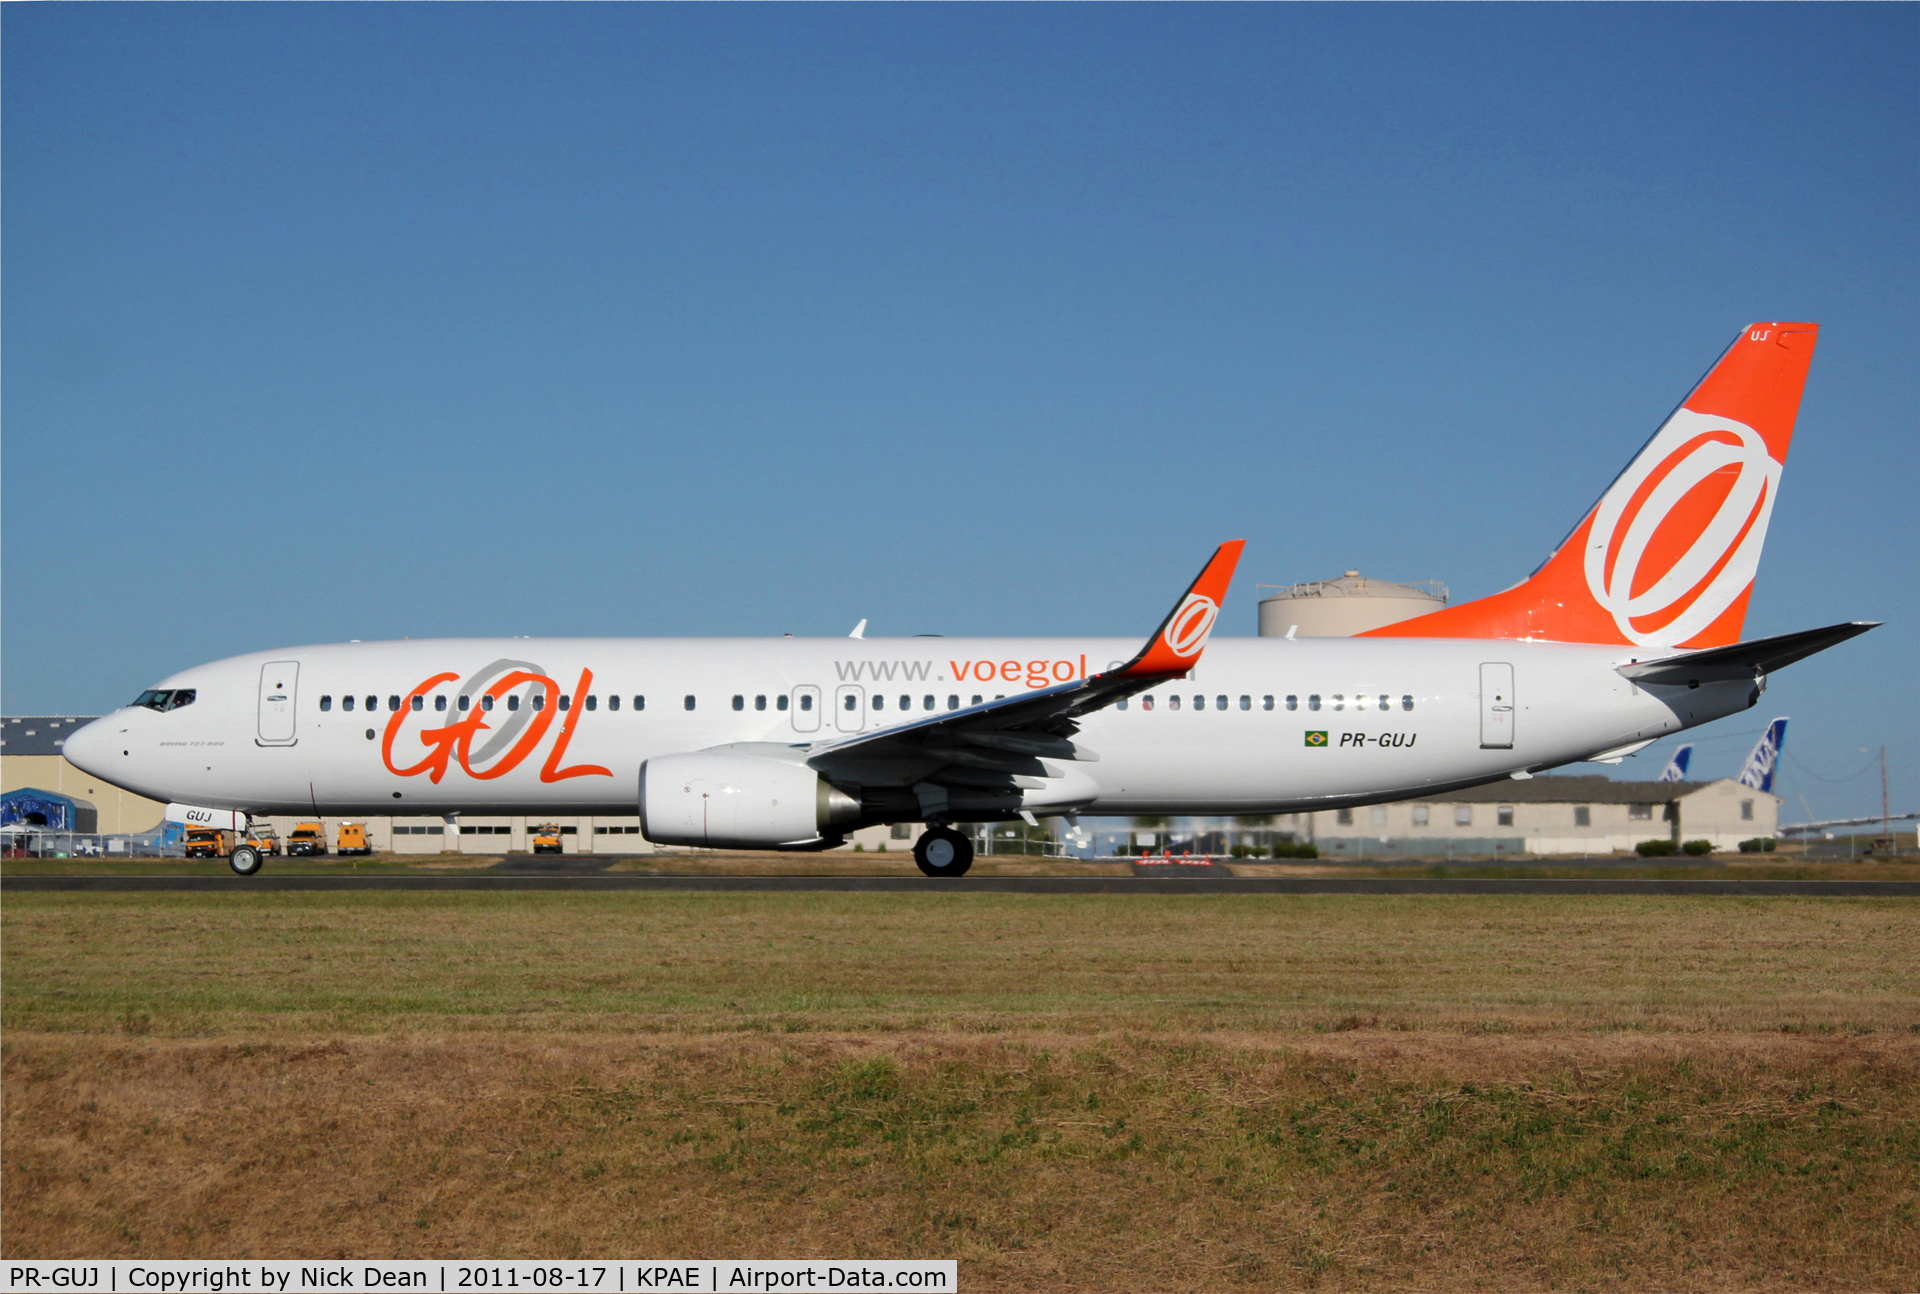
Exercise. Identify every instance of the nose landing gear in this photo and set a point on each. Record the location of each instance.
(942, 851)
(245, 860)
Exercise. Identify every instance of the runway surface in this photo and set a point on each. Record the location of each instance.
(600, 881)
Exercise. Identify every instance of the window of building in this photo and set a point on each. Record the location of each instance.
(1504, 815)
(616, 831)
(1422, 814)
(759, 702)
(1343, 816)
(326, 704)
(1378, 815)
(1640, 813)
(1582, 816)
(901, 831)
(639, 702)
(1406, 703)
(1463, 815)
(1313, 701)
(739, 702)
(593, 703)
(687, 702)
(1746, 810)
(613, 702)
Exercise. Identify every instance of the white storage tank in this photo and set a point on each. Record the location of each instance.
(1349, 605)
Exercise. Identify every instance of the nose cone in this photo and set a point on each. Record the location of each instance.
(87, 748)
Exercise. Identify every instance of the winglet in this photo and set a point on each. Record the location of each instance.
(1175, 647)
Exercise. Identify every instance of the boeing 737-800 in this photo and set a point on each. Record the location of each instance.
(1628, 632)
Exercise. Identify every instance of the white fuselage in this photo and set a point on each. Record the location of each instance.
(272, 732)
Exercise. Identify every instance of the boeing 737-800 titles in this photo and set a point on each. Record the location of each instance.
(1628, 632)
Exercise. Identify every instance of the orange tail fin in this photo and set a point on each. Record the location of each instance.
(1667, 557)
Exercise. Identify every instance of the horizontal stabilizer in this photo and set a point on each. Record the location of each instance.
(1744, 660)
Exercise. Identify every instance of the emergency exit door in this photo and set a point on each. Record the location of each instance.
(804, 707)
(1496, 706)
(849, 708)
(279, 688)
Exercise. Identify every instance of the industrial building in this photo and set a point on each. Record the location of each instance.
(1346, 606)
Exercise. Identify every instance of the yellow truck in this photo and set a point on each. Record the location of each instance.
(307, 838)
(545, 838)
(263, 839)
(206, 842)
(353, 838)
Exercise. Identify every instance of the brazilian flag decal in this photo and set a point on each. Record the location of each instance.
(1316, 739)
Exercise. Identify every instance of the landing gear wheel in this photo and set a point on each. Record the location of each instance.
(245, 860)
(942, 851)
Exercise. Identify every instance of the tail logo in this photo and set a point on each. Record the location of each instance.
(1664, 513)
(1188, 627)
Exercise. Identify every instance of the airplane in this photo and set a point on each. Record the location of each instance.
(1757, 772)
(1676, 769)
(1627, 633)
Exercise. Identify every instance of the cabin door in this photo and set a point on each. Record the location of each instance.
(279, 689)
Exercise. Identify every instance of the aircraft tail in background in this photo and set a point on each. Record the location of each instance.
(1667, 557)
(1758, 773)
(1676, 769)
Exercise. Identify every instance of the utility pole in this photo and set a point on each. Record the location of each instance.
(1886, 822)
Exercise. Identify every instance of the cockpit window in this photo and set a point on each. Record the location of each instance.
(166, 699)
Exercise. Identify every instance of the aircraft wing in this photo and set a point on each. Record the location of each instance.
(1743, 660)
(993, 757)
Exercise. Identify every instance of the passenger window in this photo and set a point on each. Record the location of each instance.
(566, 702)
(486, 701)
(1384, 703)
(688, 703)
(539, 701)
(1293, 702)
(639, 703)
(806, 702)
(393, 703)
(419, 702)
(1266, 703)
(1173, 703)
(739, 702)
(613, 702)
(906, 703)
(440, 703)
(1339, 701)
(1406, 703)
(879, 702)
(346, 703)
(463, 704)
(926, 703)
(1199, 703)
(1246, 703)
(326, 704)
(513, 700)
(851, 700)
(780, 702)
(1313, 701)
(1121, 704)
(759, 702)
(953, 703)
(593, 703)
(373, 703)
(976, 699)
(1146, 703)
(1220, 703)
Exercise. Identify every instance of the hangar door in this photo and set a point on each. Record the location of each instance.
(1496, 706)
(279, 685)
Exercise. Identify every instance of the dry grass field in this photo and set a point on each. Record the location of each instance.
(1064, 1093)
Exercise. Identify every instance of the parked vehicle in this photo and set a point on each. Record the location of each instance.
(206, 842)
(545, 837)
(263, 839)
(353, 838)
(308, 838)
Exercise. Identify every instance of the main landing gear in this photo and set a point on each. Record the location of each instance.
(942, 851)
(244, 860)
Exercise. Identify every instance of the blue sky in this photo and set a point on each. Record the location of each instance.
(330, 322)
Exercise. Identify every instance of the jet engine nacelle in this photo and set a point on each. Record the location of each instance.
(741, 802)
